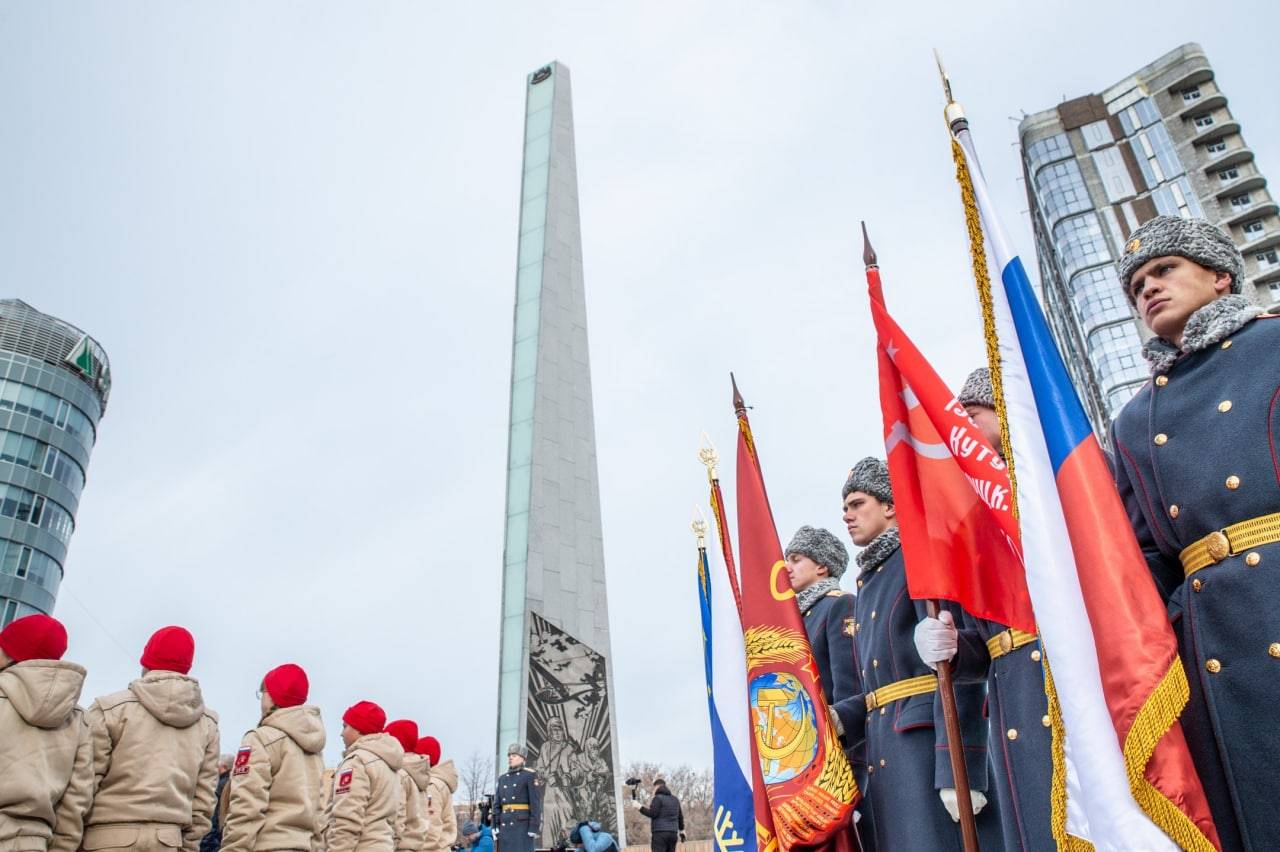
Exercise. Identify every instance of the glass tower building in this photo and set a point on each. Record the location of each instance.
(555, 680)
(1160, 141)
(54, 384)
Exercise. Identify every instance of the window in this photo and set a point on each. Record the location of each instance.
(25, 399)
(37, 455)
(1228, 175)
(1080, 243)
(1115, 176)
(1274, 288)
(1141, 114)
(1061, 191)
(1047, 150)
(1156, 156)
(1097, 134)
(1191, 94)
(1253, 230)
(1176, 199)
(37, 510)
(1204, 120)
(1267, 259)
(30, 564)
(1217, 148)
(10, 610)
(1241, 201)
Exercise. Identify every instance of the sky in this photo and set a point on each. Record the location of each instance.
(293, 228)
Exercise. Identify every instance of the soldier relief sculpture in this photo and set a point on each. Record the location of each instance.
(568, 733)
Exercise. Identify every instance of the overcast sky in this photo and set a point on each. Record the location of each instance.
(293, 228)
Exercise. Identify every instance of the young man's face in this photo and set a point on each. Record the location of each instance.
(1168, 290)
(349, 735)
(987, 422)
(865, 517)
(514, 761)
(803, 571)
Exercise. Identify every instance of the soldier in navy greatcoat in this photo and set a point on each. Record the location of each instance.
(816, 560)
(1196, 454)
(518, 804)
(910, 791)
(1009, 661)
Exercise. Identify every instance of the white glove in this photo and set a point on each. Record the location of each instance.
(835, 720)
(635, 804)
(937, 639)
(534, 834)
(949, 801)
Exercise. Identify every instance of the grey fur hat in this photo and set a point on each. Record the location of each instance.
(518, 748)
(870, 476)
(1195, 239)
(822, 547)
(977, 389)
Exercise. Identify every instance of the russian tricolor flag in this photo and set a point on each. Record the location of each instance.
(1123, 777)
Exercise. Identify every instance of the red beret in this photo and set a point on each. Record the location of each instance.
(287, 685)
(170, 649)
(366, 717)
(34, 637)
(406, 731)
(430, 748)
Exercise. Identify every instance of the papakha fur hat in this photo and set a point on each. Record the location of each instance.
(870, 476)
(822, 547)
(977, 389)
(1195, 239)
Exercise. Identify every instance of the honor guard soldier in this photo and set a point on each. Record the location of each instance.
(367, 796)
(910, 792)
(47, 781)
(275, 781)
(519, 804)
(1195, 462)
(816, 560)
(155, 755)
(1010, 663)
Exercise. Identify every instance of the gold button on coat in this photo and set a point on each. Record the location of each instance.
(882, 763)
(1161, 439)
(1173, 510)
(1224, 406)
(1045, 720)
(873, 613)
(1035, 655)
(1161, 381)
(1196, 585)
(875, 664)
(1252, 559)
(1274, 649)
(1012, 734)
(1233, 482)
(1213, 666)
(1226, 344)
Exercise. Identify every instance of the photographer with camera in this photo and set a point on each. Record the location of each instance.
(667, 817)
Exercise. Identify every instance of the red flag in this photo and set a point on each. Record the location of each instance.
(803, 781)
(960, 538)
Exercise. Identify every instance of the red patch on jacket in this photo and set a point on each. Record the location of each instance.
(242, 761)
(344, 781)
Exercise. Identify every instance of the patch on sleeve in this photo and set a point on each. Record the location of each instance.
(537, 782)
(344, 781)
(849, 627)
(241, 766)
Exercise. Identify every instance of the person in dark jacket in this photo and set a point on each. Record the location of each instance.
(1009, 661)
(212, 841)
(910, 792)
(1195, 463)
(667, 818)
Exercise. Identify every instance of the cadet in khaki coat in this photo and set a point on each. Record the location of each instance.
(414, 775)
(367, 795)
(276, 781)
(442, 822)
(155, 756)
(47, 756)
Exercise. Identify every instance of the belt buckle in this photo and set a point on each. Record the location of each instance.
(1006, 641)
(870, 699)
(1217, 545)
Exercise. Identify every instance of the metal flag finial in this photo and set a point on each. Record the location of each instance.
(868, 253)
(942, 72)
(954, 112)
(699, 526)
(739, 404)
(709, 457)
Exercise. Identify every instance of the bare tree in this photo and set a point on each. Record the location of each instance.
(693, 787)
(477, 778)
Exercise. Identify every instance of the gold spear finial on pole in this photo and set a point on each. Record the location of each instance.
(709, 457)
(699, 526)
(954, 113)
(942, 72)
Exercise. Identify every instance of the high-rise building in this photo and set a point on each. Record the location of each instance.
(1160, 141)
(54, 383)
(555, 682)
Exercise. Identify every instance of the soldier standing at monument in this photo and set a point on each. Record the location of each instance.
(518, 803)
(1195, 462)
(910, 792)
(1010, 662)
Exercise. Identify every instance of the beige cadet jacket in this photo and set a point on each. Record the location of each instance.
(46, 756)
(155, 756)
(411, 828)
(275, 788)
(366, 797)
(442, 822)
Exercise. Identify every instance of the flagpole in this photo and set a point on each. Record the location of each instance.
(946, 687)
